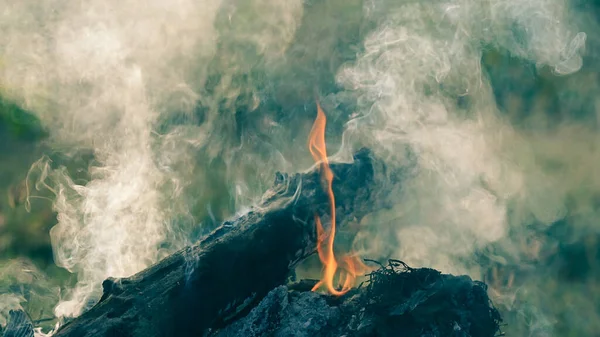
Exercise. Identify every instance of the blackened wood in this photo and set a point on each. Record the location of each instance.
(198, 288)
(396, 300)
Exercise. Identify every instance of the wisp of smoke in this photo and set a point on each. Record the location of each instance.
(24, 287)
(9, 302)
(189, 107)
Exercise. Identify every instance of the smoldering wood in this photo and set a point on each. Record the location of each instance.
(396, 301)
(209, 285)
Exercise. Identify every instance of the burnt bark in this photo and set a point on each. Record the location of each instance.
(396, 300)
(201, 288)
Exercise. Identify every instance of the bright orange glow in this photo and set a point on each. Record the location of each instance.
(351, 264)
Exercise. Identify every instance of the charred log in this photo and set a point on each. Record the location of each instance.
(207, 285)
(396, 301)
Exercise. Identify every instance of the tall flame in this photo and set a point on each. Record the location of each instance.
(352, 265)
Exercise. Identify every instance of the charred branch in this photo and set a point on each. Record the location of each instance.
(212, 283)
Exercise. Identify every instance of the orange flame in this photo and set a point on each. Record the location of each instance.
(352, 264)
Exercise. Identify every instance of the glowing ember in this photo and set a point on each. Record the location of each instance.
(351, 264)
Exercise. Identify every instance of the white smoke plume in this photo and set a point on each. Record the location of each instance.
(479, 181)
(189, 107)
(100, 75)
(416, 66)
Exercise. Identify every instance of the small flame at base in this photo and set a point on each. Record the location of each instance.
(351, 264)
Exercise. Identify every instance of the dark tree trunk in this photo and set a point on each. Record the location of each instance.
(201, 287)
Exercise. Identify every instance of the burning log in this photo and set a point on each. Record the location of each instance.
(232, 283)
(206, 286)
(397, 301)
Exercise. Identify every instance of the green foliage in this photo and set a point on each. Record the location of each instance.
(18, 123)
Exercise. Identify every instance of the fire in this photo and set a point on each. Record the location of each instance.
(351, 264)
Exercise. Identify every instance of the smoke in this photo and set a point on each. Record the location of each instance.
(481, 180)
(105, 76)
(9, 302)
(421, 81)
(189, 107)
(24, 287)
